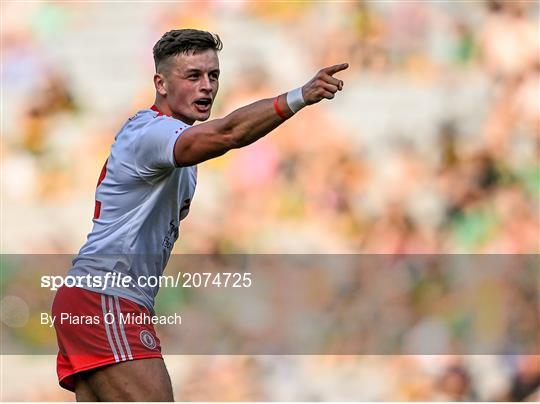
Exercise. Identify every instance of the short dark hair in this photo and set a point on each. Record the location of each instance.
(179, 41)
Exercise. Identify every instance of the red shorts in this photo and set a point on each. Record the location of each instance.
(91, 333)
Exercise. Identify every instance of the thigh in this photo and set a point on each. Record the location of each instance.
(137, 380)
(83, 392)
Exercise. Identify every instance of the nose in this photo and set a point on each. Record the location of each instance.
(205, 84)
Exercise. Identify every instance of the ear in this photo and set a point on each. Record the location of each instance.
(160, 84)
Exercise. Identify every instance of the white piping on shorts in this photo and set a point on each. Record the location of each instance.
(107, 331)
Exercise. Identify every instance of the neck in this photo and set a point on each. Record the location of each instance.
(164, 108)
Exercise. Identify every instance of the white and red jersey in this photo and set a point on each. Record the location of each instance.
(140, 199)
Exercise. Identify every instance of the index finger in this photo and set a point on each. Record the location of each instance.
(336, 68)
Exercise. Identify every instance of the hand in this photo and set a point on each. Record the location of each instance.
(323, 85)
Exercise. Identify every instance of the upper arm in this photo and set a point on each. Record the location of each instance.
(153, 148)
(203, 142)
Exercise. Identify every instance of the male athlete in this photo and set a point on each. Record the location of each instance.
(144, 190)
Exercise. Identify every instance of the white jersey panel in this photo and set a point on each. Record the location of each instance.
(139, 204)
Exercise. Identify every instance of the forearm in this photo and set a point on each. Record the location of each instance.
(248, 124)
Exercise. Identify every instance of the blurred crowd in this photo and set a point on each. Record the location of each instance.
(459, 174)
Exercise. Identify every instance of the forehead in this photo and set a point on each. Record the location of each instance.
(205, 61)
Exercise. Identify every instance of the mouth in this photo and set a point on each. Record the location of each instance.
(203, 104)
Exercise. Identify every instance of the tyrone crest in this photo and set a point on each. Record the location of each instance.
(147, 339)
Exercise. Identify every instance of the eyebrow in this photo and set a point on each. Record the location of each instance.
(194, 70)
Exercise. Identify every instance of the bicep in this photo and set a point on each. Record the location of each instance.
(202, 142)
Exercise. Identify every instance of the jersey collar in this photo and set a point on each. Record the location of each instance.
(155, 108)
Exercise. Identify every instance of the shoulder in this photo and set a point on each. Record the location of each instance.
(155, 122)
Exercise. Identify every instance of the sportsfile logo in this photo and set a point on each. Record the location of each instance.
(115, 280)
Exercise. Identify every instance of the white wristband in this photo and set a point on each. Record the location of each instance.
(295, 100)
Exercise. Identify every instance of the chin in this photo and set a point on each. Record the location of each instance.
(203, 118)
